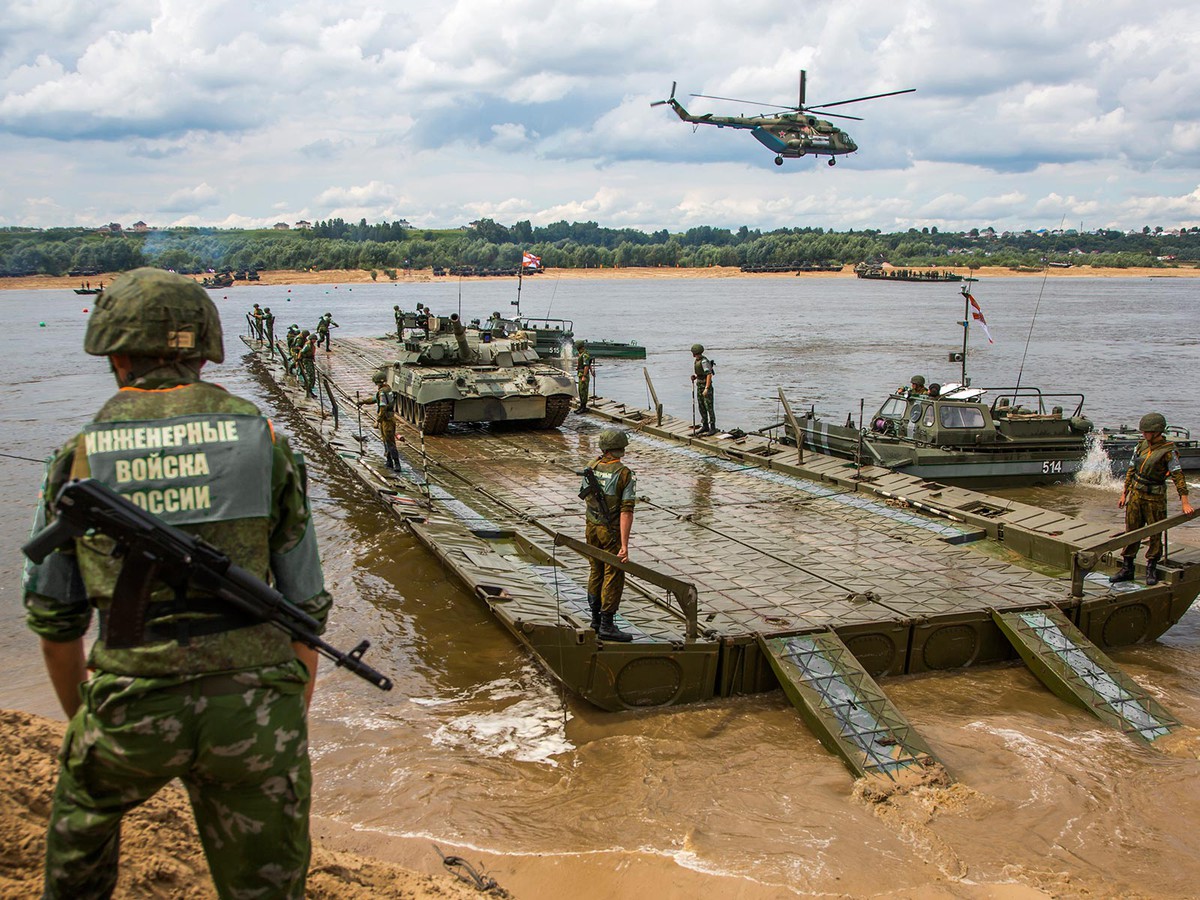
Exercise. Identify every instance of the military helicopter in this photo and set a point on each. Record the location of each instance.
(790, 134)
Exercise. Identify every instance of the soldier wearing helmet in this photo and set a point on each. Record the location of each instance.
(1144, 496)
(583, 374)
(256, 322)
(702, 378)
(323, 325)
(386, 403)
(916, 387)
(306, 357)
(610, 489)
(204, 694)
(269, 325)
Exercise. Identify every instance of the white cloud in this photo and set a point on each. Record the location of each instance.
(373, 110)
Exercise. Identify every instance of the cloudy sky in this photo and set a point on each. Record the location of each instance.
(250, 112)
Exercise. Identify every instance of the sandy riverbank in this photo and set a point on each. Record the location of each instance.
(160, 853)
(362, 276)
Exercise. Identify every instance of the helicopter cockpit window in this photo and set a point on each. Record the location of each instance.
(961, 417)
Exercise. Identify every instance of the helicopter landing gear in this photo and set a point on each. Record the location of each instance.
(832, 161)
(779, 160)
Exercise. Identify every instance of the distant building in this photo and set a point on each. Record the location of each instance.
(280, 226)
(111, 228)
(139, 227)
(301, 224)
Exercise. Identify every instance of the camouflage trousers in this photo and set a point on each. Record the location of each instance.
(585, 385)
(239, 744)
(606, 582)
(1140, 510)
(387, 432)
(707, 404)
(308, 375)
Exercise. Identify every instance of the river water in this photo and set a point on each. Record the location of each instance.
(475, 749)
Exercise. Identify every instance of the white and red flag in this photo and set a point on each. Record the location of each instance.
(977, 315)
(529, 261)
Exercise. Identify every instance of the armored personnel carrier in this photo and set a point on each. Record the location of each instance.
(447, 372)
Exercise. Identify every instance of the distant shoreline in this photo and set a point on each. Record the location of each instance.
(418, 276)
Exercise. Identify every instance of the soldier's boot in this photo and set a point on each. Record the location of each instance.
(594, 605)
(1125, 573)
(1152, 576)
(609, 630)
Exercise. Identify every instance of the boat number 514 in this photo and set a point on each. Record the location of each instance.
(1052, 467)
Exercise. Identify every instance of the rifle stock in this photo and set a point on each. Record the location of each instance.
(88, 505)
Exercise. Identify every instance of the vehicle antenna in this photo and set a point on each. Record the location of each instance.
(557, 277)
(1036, 307)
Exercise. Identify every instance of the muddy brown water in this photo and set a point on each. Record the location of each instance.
(475, 748)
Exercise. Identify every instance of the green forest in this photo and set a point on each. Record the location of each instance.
(390, 247)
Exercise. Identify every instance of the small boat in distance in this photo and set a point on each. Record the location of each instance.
(88, 289)
(614, 349)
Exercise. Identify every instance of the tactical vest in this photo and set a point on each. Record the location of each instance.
(200, 459)
(703, 367)
(1149, 467)
(385, 405)
(615, 479)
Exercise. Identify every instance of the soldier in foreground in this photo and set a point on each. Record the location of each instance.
(204, 695)
(702, 378)
(610, 489)
(1144, 497)
(385, 401)
(583, 374)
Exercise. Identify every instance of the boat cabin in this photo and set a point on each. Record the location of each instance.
(960, 416)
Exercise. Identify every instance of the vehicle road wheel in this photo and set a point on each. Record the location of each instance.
(434, 418)
(557, 408)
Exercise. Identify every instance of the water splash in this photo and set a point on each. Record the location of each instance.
(1096, 468)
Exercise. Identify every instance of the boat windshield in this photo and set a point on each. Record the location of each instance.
(960, 416)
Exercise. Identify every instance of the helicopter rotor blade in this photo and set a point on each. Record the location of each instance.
(841, 116)
(751, 102)
(665, 102)
(803, 80)
(861, 99)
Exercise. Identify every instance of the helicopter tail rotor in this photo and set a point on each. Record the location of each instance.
(668, 100)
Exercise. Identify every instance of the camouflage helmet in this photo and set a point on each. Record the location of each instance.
(396, 306)
(697, 348)
(153, 313)
(379, 378)
(918, 380)
(1155, 422)
(614, 439)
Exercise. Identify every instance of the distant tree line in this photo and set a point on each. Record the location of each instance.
(389, 247)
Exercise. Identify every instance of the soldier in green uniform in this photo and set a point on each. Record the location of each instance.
(609, 523)
(269, 325)
(398, 314)
(307, 358)
(256, 319)
(385, 401)
(702, 378)
(583, 374)
(206, 696)
(326, 322)
(1144, 497)
(290, 339)
(916, 387)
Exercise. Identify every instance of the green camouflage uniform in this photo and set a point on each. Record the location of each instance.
(583, 368)
(269, 324)
(323, 331)
(307, 359)
(386, 401)
(603, 529)
(219, 705)
(1146, 492)
(703, 368)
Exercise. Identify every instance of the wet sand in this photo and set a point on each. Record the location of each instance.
(363, 276)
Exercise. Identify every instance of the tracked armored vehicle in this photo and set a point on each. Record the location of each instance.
(446, 372)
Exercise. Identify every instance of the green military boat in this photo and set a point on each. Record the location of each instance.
(615, 349)
(757, 566)
(980, 436)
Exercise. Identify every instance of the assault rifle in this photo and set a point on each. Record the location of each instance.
(153, 549)
(592, 489)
